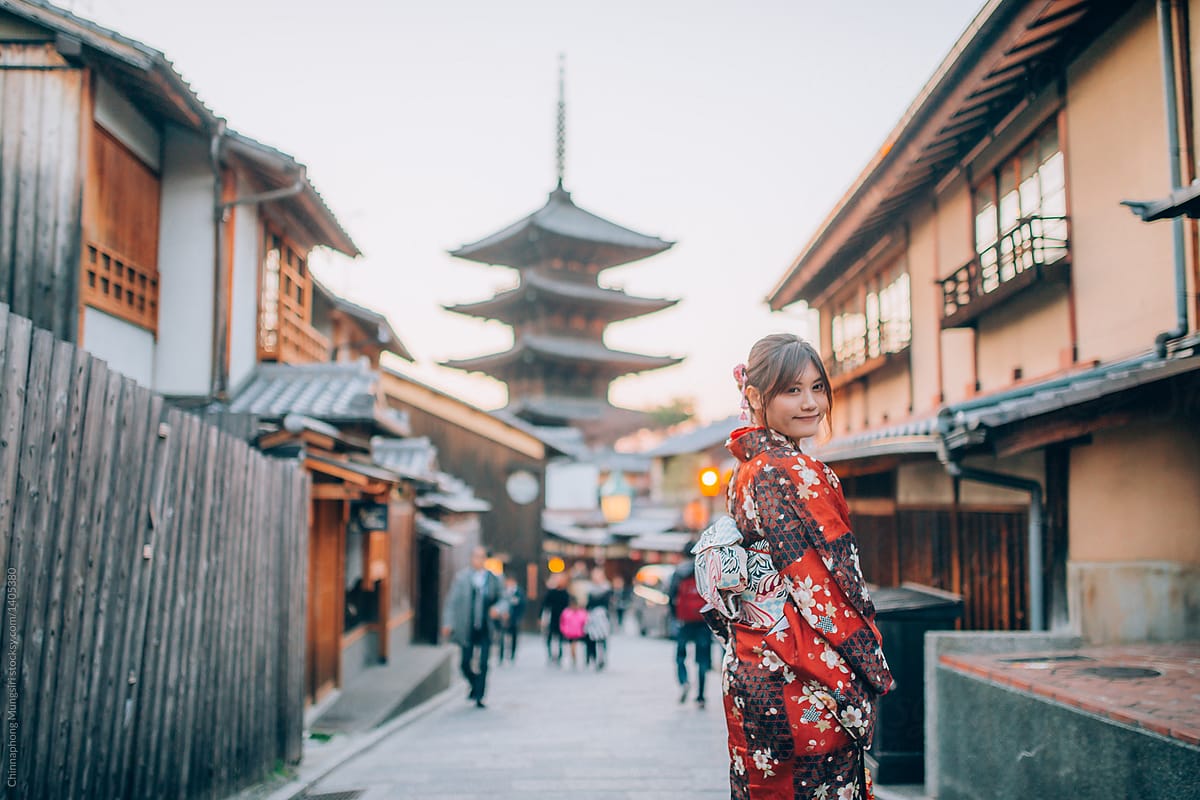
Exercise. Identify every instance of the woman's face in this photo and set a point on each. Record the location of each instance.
(797, 411)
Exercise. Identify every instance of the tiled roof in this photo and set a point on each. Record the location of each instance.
(438, 532)
(523, 243)
(453, 494)
(966, 424)
(330, 392)
(564, 348)
(697, 440)
(386, 336)
(537, 287)
(414, 457)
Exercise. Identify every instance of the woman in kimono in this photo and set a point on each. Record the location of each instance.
(803, 664)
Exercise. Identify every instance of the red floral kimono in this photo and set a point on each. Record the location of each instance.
(803, 663)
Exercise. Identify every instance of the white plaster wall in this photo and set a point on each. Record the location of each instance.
(1135, 493)
(1031, 332)
(120, 118)
(185, 266)
(128, 349)
(924, 483)
(1121, 267)
(243, 331)
(926, 311)
(888, 395)
(955, 247)
(1025, 465)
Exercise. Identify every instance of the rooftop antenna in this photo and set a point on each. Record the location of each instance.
(561, 150)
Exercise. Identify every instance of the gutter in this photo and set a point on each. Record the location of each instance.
(1166, 33)
(1035, 584)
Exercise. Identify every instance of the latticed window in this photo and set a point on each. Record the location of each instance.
(874, 321)
(285, 331)
(119, 256)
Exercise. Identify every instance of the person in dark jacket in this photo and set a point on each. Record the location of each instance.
(554, 602)
(690, 627)
(510, 626)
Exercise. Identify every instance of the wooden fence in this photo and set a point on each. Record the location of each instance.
(153, 637)
(979, 554)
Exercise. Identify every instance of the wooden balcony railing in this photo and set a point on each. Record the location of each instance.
(115, 284)
(1035, 249)
(293, 342)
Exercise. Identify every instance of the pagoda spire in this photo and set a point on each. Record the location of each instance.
(560, 153)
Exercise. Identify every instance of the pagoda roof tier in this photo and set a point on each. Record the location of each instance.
(610, 304)
(565, 350)
(557, 409)
(561, 229)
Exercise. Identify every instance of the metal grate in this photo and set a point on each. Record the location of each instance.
(1121, 673)
(352, 794)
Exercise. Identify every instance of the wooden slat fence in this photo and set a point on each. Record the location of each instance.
(978, 554)
(153, 632)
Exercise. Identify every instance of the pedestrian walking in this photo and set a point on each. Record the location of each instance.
(509, 626)
(572, 625)
(804, 666)
(621, 599)
(598, 624)
(691, 629)
(471, 606)
(554, 600)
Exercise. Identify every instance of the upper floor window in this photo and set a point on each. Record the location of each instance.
(1021, 234)
(1020, 211)
(874, 321)
(285, 331)
(119, 257)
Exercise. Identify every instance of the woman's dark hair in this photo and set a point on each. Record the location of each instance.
(774, 364)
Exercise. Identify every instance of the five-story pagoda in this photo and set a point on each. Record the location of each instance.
(558, 370)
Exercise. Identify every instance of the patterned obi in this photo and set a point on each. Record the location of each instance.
(740, 583)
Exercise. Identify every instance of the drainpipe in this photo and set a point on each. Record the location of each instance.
(216, 375)
(1036, 590)
(1166, 36)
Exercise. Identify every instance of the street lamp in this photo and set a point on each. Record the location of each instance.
(710, 481)
(616, 498)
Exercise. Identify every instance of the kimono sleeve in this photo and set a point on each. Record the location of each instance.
(802, 517)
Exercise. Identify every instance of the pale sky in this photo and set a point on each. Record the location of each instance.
(731, 128)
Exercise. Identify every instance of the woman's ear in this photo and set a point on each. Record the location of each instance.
(754, 398)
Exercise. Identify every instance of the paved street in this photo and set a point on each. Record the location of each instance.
(556, 732)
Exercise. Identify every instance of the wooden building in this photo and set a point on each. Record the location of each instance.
(1014, 354)
(126, 202)
(558, 369)
(374, 491)
(503, 459)
(138, 204)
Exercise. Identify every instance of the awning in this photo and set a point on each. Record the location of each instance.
(1183, 202)
(665, 542)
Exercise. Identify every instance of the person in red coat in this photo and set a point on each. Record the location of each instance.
(804, 665)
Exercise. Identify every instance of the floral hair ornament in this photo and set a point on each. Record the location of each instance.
(739, 375)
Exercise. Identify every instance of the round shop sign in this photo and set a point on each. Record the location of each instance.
(522, 487)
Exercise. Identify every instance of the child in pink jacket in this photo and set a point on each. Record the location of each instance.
(571, 625)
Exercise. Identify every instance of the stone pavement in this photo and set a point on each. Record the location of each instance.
(551, 732)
